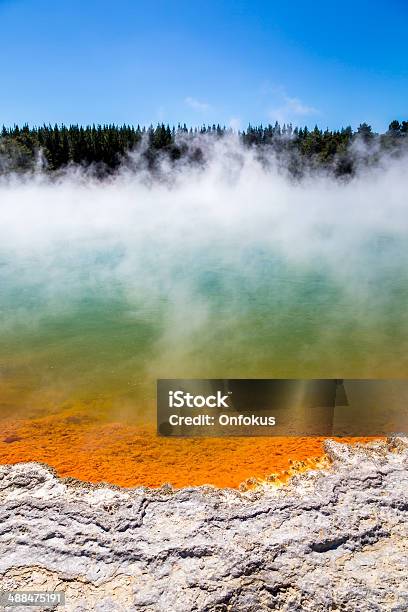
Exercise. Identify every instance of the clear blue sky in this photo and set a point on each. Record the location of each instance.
(229, 61)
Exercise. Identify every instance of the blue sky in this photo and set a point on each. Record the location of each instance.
(228, 61)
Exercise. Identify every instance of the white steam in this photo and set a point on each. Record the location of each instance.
(150, 241)
(232, 205)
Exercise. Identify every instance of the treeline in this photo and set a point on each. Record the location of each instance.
(107, 147)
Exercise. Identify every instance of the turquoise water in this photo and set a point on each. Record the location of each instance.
(95, 324)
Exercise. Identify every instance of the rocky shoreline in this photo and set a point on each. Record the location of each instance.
(331, 539)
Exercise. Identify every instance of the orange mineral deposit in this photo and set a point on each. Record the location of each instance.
(130, 455)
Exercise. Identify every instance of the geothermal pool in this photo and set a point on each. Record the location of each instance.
(78, 380)
(105, 288)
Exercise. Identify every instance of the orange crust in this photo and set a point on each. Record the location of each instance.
(130, 455)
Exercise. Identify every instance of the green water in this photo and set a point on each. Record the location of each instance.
(78, 328)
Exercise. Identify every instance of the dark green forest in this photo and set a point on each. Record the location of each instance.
(106, 148)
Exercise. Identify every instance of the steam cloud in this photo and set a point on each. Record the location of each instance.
(231, 270)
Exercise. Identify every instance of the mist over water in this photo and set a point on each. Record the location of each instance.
(231, 270)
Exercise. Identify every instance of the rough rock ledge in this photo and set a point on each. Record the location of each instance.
(331, 539)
